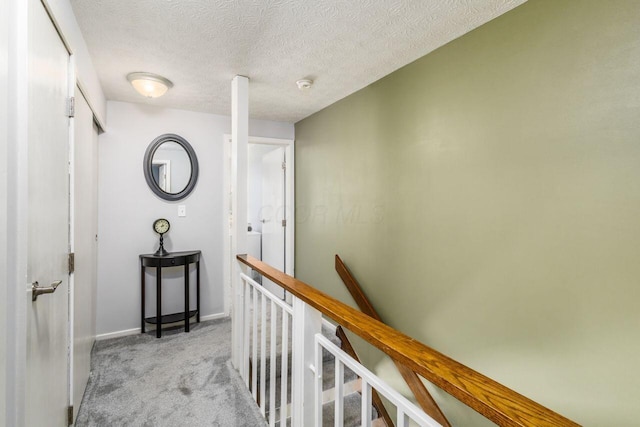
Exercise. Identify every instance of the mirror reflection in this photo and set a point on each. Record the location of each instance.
(171, 167)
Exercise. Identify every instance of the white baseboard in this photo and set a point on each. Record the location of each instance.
(117, 334)
(213, 316)
(136, 331)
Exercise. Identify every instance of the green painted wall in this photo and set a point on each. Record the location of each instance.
(487, 196)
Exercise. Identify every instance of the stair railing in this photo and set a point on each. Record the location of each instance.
(271, 327)
(406, 411)
(417, 387)
(268, 325)
(345, 345)
(496, 402)
(262, 314)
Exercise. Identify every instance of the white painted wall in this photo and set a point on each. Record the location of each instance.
(127, 209)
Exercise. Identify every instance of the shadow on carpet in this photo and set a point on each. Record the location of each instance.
(181, 379)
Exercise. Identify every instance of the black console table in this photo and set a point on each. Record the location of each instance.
(172, 259)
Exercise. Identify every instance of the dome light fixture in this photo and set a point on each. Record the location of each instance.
(149, 85)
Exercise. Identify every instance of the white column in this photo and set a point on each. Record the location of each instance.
(307, 322)
(239, 148)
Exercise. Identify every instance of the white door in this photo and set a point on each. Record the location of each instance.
(48, 222)
(273, 214)
(85, 222)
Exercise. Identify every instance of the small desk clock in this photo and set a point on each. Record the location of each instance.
(161, 226)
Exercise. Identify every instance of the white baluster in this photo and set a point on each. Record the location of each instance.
(318, 384)
(339, 394)
(366, 403)
(284, 377)
(263, 353)
(403, 419)
(272, 365)
(254, 374)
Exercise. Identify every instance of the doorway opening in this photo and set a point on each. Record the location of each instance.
(161, 171)
(269, 205)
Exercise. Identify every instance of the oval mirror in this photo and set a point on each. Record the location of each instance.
(170, 167)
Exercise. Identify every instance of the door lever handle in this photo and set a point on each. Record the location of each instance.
(36, 289)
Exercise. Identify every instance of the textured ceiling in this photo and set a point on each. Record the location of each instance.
(343, 45)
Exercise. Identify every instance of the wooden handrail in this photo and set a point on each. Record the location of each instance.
(417, 387)
(493, 400)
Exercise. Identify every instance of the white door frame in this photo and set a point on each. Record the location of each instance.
(230, 188)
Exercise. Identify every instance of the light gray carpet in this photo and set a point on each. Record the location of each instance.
(181, 379)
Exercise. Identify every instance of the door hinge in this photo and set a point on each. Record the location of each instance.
(284, 165)
(70, 415)
(72, 262)
(71, 106)
(284, 222)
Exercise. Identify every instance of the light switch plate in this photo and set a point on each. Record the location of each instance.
(182, 210)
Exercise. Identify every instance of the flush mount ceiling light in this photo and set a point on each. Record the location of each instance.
(149, 85)
(304, 84)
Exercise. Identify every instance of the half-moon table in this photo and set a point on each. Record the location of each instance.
(172, 259)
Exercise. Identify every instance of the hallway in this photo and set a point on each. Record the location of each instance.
(179, 380)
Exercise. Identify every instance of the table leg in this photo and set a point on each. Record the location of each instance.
(142, 277)
(186, 297)
(158, 302)
(198, 291)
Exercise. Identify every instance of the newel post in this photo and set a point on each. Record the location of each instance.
(307, 322)
(238, 351)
